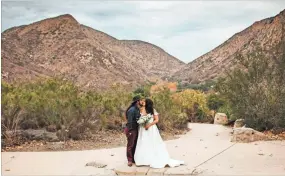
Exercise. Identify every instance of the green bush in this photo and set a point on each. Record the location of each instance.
(206, 86)
(214, 101)
(143, 90)
(61, 103)
(168, 111)
(256, 92)
(176, 109)
(193, 103)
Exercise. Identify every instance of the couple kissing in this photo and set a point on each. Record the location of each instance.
(145, 146)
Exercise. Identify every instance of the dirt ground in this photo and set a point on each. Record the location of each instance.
(107, 139)
(104, 139)
(206, 150)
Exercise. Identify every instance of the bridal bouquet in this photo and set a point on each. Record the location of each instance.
(143, 120)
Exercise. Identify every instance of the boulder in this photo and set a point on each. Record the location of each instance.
(79, 132)
(221, 119)
(239, 123)
(96, 164)
(245, 135)
(51, 137)
(51, 128)
(31, 134)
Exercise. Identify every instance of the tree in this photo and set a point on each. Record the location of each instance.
(214, 102)
(256, 92)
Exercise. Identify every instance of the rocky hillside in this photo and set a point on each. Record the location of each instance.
(62, 47)
(265, 34)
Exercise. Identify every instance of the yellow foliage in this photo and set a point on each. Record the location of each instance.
(187, 98)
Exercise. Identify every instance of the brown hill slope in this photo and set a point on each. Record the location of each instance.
(265, 34)
(61, 46)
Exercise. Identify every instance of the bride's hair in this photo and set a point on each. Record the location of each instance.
(149, 106)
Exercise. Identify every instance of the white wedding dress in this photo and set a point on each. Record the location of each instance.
(151, 150)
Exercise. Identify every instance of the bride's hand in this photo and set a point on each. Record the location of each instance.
(147, 126)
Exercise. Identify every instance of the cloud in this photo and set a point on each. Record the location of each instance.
(185, 29)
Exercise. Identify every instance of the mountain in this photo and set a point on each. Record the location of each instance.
(62, 47)
(265, 34)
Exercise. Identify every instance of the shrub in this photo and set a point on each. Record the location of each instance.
(214, 102)
(193, 103)
(167, 110)
(45, 101)
(60, 103)
(257, 92)
(143, 90)
(205, 87)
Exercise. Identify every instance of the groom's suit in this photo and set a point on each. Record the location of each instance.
(133, 115)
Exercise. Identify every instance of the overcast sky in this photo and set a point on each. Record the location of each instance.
(185, 29)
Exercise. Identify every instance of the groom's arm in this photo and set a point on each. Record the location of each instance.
(130, 114)
(131, 118)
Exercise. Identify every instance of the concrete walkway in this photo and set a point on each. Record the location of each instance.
(206, 149)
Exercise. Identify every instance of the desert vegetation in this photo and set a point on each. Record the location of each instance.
(60, 106)
(256, 92)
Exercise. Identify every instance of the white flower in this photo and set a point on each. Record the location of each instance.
(144, 119)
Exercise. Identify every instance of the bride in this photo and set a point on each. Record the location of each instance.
(151, 150)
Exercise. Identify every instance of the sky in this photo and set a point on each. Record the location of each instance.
(184, 29)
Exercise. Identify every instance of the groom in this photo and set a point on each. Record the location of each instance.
(132, 114)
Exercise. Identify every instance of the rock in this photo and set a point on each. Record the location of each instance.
(51, 128)
(79, 132)
(33, 135)
(239, 123)
(95, 164)
(221, 119)
(244, 135)
(75, 131)
(39, 135)
(50, 137)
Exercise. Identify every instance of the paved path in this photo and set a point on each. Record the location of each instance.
(206, 149)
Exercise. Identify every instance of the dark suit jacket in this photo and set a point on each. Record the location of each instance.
(133, 116)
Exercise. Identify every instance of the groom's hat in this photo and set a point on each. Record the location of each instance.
(137, 98)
